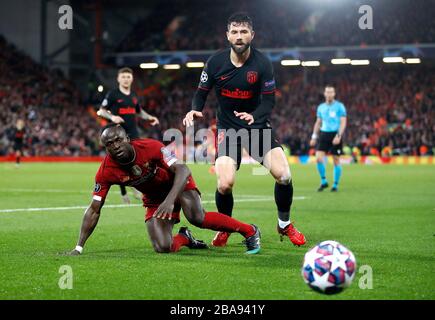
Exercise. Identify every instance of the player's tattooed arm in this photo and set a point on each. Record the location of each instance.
(90, 220)
(182, 173)
(104, 113)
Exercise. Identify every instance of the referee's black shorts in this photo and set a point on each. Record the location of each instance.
(257, 142)
(325, 143)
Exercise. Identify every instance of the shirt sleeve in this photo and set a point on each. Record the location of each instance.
(319, 114)
(163, 155)
(206, 83)
(137, 106)
(101, 188)
(268, 88)
(342, 111)
(107, 103)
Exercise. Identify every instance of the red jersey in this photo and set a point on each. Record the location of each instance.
(149, 173)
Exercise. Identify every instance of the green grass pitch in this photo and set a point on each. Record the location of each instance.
(384, 214)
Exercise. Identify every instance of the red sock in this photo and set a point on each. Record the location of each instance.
(178, 241)
(221, 222)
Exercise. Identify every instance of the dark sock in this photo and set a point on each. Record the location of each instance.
(178, 241)
(123, 190)
(219, 222)
(284, 197)
(18, 159)
(224, 203)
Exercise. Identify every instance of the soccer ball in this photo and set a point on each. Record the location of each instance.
(329, 267)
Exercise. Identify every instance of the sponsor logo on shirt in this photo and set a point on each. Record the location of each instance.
(237, 93)
(127, 110)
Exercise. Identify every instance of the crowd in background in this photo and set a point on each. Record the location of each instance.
(56, 120)
(187, 25)
(390, 107)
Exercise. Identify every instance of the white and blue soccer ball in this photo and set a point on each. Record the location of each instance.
(329, 267)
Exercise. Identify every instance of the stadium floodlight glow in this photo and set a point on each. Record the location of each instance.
(100, 88)
(151, 65)
(195, 64)
(290, 62)
(341, 61)
(364, 62)
(413, 60)
(393, 60)
(312, 63)
(171, 66)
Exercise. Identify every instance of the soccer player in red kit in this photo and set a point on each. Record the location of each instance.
(167, 187)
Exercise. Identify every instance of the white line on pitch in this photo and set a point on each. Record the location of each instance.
(122, 205)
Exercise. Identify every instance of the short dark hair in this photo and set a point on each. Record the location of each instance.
(240, 18)
(125, 70)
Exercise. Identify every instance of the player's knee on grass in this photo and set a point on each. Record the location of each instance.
(162, 246)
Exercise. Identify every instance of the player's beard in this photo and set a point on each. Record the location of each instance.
(240, 49)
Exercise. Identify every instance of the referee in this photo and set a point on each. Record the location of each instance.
(327, 136)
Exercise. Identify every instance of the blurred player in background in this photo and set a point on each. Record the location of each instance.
(328, 136)
(121, 106)
(18, 135)
(245, 88)
(167, 186)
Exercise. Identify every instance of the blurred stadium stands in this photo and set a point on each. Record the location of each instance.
(390, 107)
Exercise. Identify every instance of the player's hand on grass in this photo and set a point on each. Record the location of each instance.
(245, 116)
(154, 121)
(188, 119)
(313, 142)
(117, 119)
(165, 210)
(336, 140)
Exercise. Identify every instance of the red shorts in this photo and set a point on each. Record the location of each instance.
(175, 216)
(151, 206)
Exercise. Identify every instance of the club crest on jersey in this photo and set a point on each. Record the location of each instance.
(134, 100)
(136, 170)
(252, 77)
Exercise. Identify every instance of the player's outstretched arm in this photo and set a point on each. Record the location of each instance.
(90, 220)
(188, 119)
(182, 172)
(103, 113)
